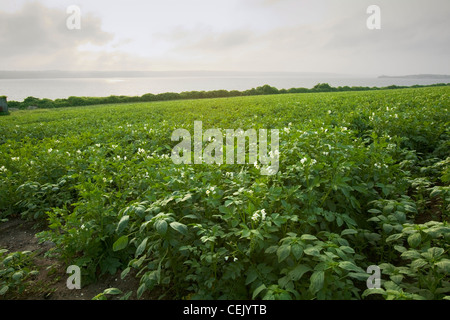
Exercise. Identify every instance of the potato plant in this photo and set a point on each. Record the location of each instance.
(357, 171)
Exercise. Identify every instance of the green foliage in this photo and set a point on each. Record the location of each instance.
(426, 263)
(350, 190)
(38, 199)
(166, 96)
(112, 292)
(15, 269)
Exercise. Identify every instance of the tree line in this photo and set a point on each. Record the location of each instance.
(262, 90)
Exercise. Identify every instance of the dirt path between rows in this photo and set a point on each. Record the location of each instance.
(50, 283)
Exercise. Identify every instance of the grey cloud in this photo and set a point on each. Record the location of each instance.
(418, 25)
(40, 33)
(414, 38)
(220, 42)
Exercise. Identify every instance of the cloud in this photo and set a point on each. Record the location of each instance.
(36, 37)
(414, 39)
(255, 35)
(204, 40)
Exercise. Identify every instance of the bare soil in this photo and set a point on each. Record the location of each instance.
(50, 283)
(432, 212)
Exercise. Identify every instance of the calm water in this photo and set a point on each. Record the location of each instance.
(19, 89)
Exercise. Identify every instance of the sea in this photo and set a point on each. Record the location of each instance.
(19, 89)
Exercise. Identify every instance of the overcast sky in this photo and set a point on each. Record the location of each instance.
(229, 35)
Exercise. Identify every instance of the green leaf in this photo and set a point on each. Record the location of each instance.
(127, 295)
(191, 216)
(141, 247)
(312, 251)
(368, 292)
(34, 273)
(397, 278)
(223, 209)
(317, 279)
(228, 203)
(298, 272)
(372, 236)
(409, 208)
(444, 264)
(414, 239)
(110, 264)
(121, 243)
(122, 224)
(445, 289)
(388, 268)
(284, 296)
(124, 273)
(252, 276)
(348, 231)
(143, 226)
(137, 263)
(388, 208)
(433, 253)
(394, 237)
(100, 296)
(246, 233)
(284, 281)
(410, 254)
(308, 237)
(321, 266)
(258, 290)
(17, 276)
(435, 192)
(3, 290)
(329, 216)
(387, 227)
(181, 228)
(141, 290)
(187, 196)
(347, 249)
(418, 263)
(350, 266)
(400, 249)
(283, 252)
(161, 227)
(297, 251)
(271, 249)
(112, 291)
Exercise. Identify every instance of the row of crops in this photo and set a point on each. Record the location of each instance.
(363, 180)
